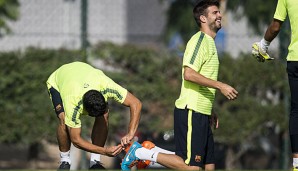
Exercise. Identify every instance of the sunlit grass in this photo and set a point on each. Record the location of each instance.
(120, 170)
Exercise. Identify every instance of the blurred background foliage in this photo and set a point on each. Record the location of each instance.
(258, 13)
(9, 11)
(149, 73)
(25, 106)
(154, 75)
(262, 89)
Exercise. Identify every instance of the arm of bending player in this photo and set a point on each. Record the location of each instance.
(79, 142)
(135, 106)
(193, 76)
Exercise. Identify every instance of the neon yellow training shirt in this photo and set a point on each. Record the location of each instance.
(284, 8)
(201, 56)
(73, 80)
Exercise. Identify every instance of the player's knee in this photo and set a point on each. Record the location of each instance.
(106, 116)
(61, 118)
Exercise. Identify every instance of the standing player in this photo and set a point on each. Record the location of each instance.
(284, 8)
(193, 135)
(78, 89)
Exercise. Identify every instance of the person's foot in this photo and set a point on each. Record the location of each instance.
(295, 168)
(64, 166)
(127, 147)
(148, 144)
(130, 158)
(143, 164)
(97, 166)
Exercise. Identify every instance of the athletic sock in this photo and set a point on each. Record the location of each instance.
(295, 162)
(145, 154)
(161, 150)
(65, 157)
(93, 158)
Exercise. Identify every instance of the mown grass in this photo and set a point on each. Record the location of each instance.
(120, 170)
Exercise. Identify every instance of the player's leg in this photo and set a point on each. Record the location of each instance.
(158, 149)
(185, 123)
(174, 162)
(64, 143)
(210, 159)
(183, 140)
(292, 68)
(191, 132)
(143, 164)
(62, 132)
(99, 136)
(137, 152)
(161, 150)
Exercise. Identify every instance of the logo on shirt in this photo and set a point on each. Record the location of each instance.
(86, 85)
(198, 158)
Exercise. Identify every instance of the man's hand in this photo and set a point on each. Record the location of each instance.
(228, 91)
(259, 53)
(113, 151)
(214, 120)
(126, 140)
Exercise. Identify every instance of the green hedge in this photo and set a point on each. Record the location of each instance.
(151, 74)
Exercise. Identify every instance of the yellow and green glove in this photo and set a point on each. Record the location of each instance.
(261, 53)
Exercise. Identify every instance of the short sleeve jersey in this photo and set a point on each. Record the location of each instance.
(201, 56)
(290, 8)
(73, 80)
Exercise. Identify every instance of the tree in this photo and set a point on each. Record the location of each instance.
(257, 12)
(259, 107)
(149, 73)
(25, 107)
(154, 76)
(8, 12)
(180, 19)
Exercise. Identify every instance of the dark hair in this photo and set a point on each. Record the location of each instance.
(200, 8)
(94, 103)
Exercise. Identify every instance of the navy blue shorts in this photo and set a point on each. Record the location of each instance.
(193, 137)
(292, 70)
(56, 100)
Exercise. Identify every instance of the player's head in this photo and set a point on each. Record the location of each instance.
(201, 9)
(94, 103)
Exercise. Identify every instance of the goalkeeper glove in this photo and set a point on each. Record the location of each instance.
(259, 50)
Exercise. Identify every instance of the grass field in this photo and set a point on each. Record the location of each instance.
(132, 170)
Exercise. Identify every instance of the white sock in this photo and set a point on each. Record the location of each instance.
(158, 149)
(145, 154)
(295, 162)
(93, 158)
(65, 156)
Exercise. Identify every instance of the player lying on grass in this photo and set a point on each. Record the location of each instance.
(143, 164)
(145, 155)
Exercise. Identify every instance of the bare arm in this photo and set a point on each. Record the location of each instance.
(135, 106)
(79, 142)
(193, 76)
(273, 30)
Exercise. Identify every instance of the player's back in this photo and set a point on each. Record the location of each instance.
(73, 72)
(74, 77)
